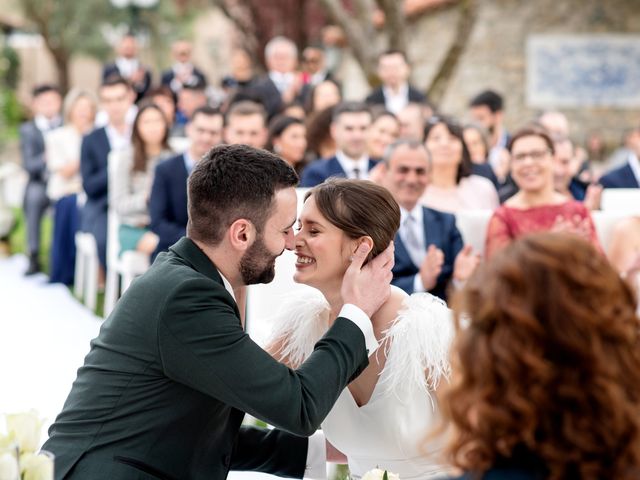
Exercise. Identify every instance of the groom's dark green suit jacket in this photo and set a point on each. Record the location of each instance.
(163, 391)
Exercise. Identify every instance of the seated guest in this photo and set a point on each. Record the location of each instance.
(314, 70)
(412, 120)
(282, 83)
(476, 141)
(133, 178)
(65, 182)
(537, 206)
(128, 66)
(349, 127)
(46, 105)
(246, 124)
(453, 186)
(320, 143)
(546, 367)
(395, 92)
(168, 199)
(183, 73)
(324, 95)
(190, 98)
(288, 140)
(628, 175)
(429, 251)
(116, 98)
(384, 130)
(163, 98)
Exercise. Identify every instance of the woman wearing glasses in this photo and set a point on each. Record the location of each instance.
(537, 206)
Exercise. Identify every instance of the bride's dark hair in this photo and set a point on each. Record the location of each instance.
(359, 208)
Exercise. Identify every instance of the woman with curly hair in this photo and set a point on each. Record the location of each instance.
(546, 367)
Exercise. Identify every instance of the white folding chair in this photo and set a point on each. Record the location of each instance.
(87, 266)
(473, 227)
(121, 269)
(626, 200)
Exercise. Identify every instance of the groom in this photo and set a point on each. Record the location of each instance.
(164, 389)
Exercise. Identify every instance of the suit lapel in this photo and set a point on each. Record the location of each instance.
(401, 252)
(335, 169)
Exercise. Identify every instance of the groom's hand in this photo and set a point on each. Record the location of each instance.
(368, 288)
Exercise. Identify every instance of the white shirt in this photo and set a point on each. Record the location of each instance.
(282, 81)
(317, 449)
(349, 165)
(189, 163)
(395, 102)
(117, 140)
(634, 163)
(127, 66)
(45, 124)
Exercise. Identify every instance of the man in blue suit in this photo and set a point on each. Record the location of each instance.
(116, 97)
(429, 252)
(351, 121)
(168, 200)
(628, 175)
(46, 108)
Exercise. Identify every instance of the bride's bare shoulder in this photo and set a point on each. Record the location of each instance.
(389, 310)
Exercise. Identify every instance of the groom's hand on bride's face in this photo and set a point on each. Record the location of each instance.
(368, 287)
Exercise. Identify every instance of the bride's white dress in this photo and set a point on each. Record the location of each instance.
(391, 430)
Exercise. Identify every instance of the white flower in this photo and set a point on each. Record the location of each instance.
(8, 466)
(377, 474)
(25, 428)
(37, 467)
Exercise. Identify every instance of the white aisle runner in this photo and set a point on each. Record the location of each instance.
(44, 337)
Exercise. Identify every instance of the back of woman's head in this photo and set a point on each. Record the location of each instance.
(547, 360)
(359, 208)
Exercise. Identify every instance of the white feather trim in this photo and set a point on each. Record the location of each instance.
(418, 346)
(301, 321)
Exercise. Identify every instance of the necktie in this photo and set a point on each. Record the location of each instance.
(356, 173)
(414, 245)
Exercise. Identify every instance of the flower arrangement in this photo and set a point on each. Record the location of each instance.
(19, 458)
(378, 474)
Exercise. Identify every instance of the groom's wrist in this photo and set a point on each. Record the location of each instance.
(363, 322)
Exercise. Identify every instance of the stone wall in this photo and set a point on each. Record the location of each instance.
(495, 55)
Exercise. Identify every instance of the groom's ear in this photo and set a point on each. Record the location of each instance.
(242, 234)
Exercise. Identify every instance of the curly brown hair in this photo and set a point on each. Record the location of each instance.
(547, 361)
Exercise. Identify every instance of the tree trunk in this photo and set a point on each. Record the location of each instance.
(62, 62)
(441, 80)
(361, 40)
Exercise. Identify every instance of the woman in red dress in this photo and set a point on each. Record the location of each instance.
(537, 206)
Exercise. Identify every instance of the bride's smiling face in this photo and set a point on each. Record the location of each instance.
(323, 250)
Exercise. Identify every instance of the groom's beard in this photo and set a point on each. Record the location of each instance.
(258, 264)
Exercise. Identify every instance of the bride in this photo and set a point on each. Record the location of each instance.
(380, 420)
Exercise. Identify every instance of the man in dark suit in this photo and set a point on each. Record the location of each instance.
(168, 199)
(246, 123)
(46, 105)
(282, 84)
(128, 66)
(183, 73)
(628, 175)
(395, 92)
(116, 97)
(429, 252)
(167, 382)
(351, 121)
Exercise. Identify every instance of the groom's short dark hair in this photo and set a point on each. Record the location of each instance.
(233, 182)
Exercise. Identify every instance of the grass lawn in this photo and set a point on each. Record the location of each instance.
(18, 244)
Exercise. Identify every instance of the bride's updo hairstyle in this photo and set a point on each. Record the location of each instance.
(359, 208)
(546, 364)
